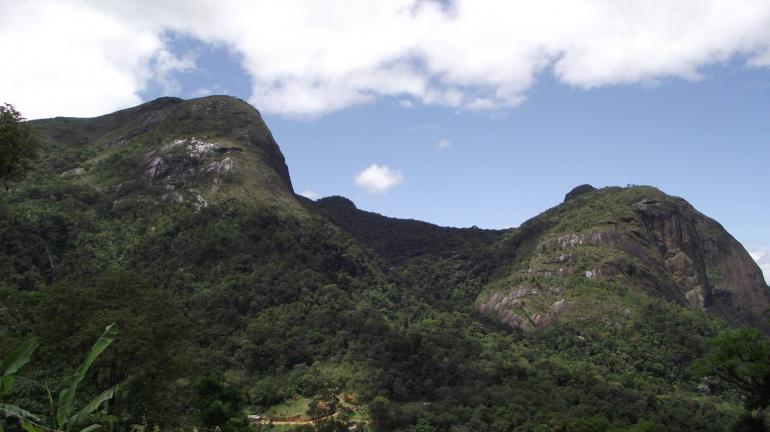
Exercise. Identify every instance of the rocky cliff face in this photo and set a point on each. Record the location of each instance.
(175, 151)
(637, 237)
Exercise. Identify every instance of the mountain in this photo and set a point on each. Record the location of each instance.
(173, 151)
(633, 237)
(177, 220)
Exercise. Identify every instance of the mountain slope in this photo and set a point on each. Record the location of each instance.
(398, 240)
(181, 213)
(637, 237)
(173, 151)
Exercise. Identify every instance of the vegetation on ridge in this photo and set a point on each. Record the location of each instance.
(236, 307)
(18, 145)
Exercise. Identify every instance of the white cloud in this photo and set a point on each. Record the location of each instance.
(378, 179)
(166, 62)
(84, 57)
(443, 144)
(310, 194)
(762, 257)
(61, 58)
(478, 104)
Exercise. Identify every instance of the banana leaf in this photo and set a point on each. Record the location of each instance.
(18, 357)
(7, 410)
(91, 428)
(66, 402)
(6, 384)
(83, 414)
(29, 427)
(14, 361)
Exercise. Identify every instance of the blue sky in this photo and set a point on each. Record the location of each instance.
(707, 141)
(458, 113)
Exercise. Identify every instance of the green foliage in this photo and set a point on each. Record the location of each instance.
(218, 406)
(255, 299)
(65, 408)
(14, 361)
(741, 358)
(589, 424)
(153, 343)
(64, 415)
(381, 414)
(647, 426)
(423, 426)
(328, 413)
(9, 368)
(749, 423)
(66, 418)
(606, 204)
(19, 145)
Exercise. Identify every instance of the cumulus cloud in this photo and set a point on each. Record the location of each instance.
(443, 144)
(164, 63)
(60, 57)
(762, 257)
(305, 57)
(378, 179)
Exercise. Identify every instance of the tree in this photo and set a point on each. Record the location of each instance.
(18, 145)
(381, 414)
(423, 426)
(151, 356)
(741, 358)
(218, 405)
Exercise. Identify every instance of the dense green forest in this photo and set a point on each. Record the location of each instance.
(260, 300)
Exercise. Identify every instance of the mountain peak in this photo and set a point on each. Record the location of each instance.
(578, 190)
(175, 151)
(634, 236)
(336, 201)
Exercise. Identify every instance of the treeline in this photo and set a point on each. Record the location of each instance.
(265, 306)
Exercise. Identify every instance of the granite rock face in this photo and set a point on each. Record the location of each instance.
(709, 267)
(637, 237)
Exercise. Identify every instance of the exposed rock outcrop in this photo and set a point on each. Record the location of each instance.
(218, 147)
(646, 239)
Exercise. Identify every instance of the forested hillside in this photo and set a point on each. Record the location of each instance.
(234, 296)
